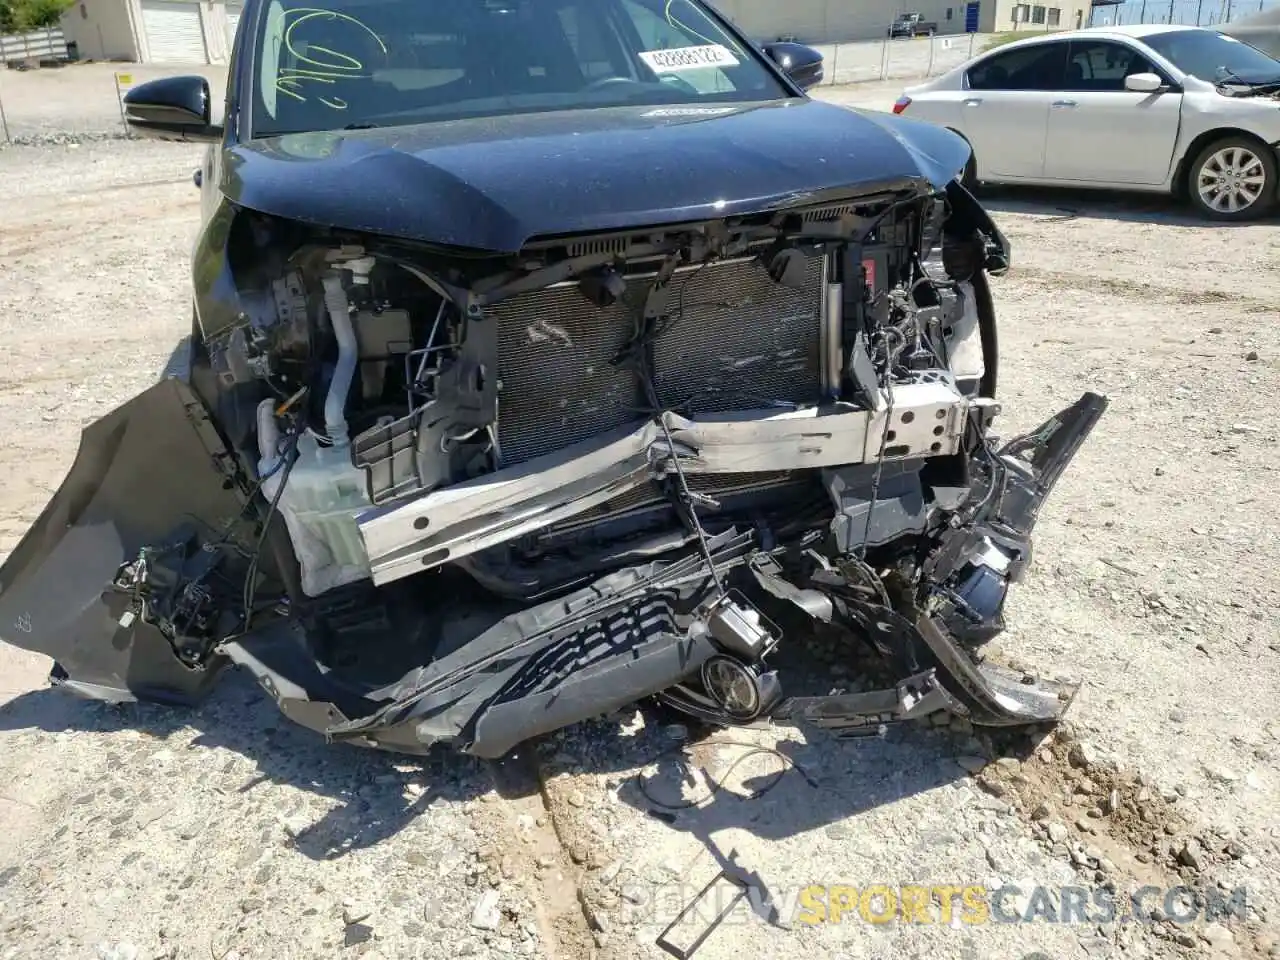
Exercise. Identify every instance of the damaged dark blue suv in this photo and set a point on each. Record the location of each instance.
(550, 355)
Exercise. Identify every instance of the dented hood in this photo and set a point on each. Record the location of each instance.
(494, 183)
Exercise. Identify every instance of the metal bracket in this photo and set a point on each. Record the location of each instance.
(684, 954)
(867, 714)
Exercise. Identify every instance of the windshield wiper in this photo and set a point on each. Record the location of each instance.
(1226, 75)
(362, 125)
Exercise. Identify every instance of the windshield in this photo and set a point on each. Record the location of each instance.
(334, 64)
(1214, 57)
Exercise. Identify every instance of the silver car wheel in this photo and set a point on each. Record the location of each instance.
(1231, 180)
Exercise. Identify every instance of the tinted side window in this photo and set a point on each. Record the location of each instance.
(1037, 67)
(1101, 65)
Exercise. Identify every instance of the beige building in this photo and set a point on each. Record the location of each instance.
(834, 21)
(152, 31)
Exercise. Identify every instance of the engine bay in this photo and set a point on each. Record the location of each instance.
(433, 395)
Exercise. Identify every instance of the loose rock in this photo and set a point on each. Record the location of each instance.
(1083, 755)
(353, 912)
(357, 933)
(1221, 774)
(1218, 936)
(1191, 855)
(486, 915)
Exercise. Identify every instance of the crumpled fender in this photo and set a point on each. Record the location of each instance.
(148, 467)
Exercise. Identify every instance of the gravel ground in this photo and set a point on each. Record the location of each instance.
(80, 101)
(227, 832)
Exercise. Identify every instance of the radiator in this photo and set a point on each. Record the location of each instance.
(735, 340)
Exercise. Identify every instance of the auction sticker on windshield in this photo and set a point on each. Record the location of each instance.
(689, 58)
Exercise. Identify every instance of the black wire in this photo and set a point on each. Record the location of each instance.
(927, 278)
(875, 478)
(686, 493)
(884, 439)
(874, 581)
(994, 468)
(718, 785)
(645, 338)
(635, 352)
(244, 511)
(288, 458)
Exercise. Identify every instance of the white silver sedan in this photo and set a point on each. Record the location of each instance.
(1182, 110)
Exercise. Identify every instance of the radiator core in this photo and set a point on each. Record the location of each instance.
(734, 340)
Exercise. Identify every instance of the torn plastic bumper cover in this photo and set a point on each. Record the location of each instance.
(644, 630)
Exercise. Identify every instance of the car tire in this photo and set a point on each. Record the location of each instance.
(1233, 179)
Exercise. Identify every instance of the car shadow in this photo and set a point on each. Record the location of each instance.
(179, 363)
(797, 786)
(1103, 205)
(815, 784)
(808, 780)
(375, 794)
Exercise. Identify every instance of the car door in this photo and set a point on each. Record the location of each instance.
(1099, 132)
(1004, 109)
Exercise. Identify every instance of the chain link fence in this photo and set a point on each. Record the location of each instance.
(1187, 13)
(900, 59)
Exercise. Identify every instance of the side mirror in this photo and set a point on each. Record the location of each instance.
(172, 108)
(800, 62)
(1143, 83)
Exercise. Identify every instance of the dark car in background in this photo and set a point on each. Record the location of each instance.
(912, 25)
(549, 355)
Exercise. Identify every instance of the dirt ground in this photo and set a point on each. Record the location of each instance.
(226, 832)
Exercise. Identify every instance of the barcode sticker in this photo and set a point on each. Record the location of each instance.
(689, 58)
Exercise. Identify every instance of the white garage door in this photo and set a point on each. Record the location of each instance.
(233, 21)
(174, 31)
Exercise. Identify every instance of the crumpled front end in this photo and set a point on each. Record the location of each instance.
(693, 629)
(427, 496)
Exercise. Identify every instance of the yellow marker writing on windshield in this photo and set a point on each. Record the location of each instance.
(332, 65)
(676, 23)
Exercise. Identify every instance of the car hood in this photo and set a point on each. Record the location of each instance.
(495, 183)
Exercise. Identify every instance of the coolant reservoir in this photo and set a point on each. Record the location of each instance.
(323, 496)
